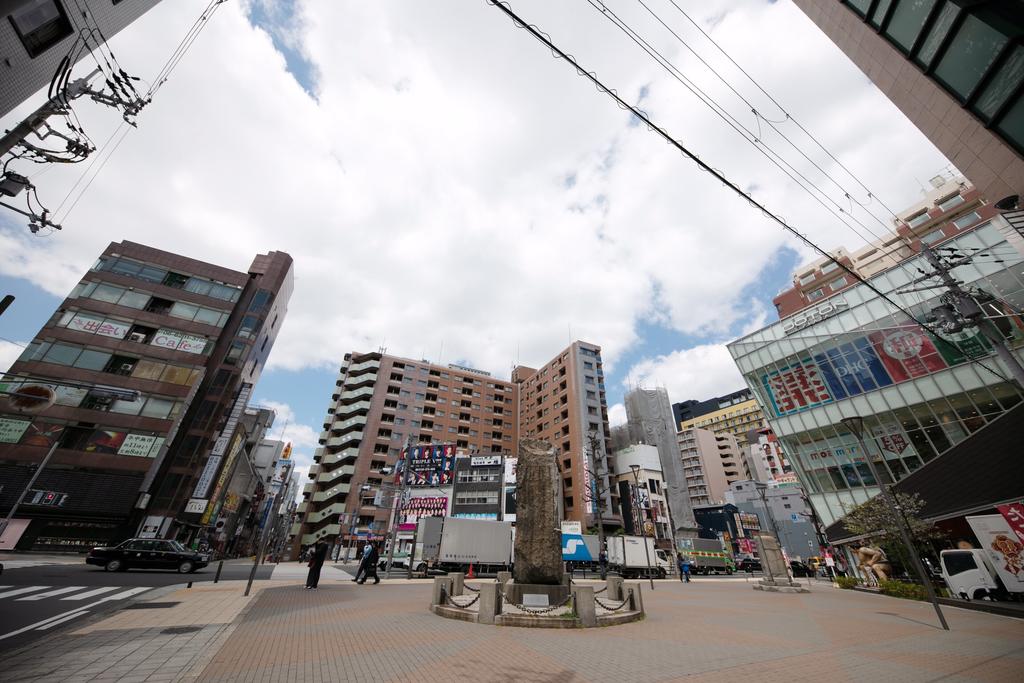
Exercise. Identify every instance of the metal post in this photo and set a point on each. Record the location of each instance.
(856, 425)
(49, 108)
(396, 510)
(643, 532)
(598, 503)
(28, 487)
(264, 536)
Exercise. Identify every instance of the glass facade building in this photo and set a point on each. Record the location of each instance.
(854, 354)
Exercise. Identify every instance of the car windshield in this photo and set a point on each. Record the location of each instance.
(178, 546)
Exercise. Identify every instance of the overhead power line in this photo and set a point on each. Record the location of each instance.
(547, 41)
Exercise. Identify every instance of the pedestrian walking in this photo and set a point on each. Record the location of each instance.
(317, 556)
(684, 568)
(362, 562)
(370, 568)
(602, 559)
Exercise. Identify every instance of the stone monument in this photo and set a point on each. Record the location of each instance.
(538, 569)
(776, 570)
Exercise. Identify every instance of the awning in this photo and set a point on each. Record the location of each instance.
(983, 470)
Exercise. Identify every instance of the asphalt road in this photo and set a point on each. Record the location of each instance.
(38, 600)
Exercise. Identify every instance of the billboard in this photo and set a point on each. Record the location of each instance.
(1004, 550)
(422, 506)
(508, 511)
(430, 465)
(796, 387)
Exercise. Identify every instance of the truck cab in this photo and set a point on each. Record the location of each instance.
(969, 576)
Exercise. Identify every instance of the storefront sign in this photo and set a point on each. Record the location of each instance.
(814, 314)
(100, 326)
(484, 460)
(11, 430)
(572, 527)
(196, 505)
(206, 478)
(137, 445)
(796, 387)
(177, 341)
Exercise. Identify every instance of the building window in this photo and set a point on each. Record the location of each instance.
(807, 279)
(1002, 86)
(906, 22)
(966, 220)
(950, 202)
(932, 237)
(937, 33)
(975, 47)
(919, 219)
(40, 24)
(816, 294)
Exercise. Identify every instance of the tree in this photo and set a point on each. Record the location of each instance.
(875, 518)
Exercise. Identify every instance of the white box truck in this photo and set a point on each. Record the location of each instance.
(993, 572)
(451, 544)
(626, 555)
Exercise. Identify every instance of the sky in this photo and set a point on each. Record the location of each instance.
(451, 192)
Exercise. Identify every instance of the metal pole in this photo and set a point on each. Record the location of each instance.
(597, 504)
(49, 108)
(643, 532)
(28, 487)
(263, 544)
(396, 508)
(856, 425)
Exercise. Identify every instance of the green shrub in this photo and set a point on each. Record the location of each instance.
(847, 581)
(902, 589)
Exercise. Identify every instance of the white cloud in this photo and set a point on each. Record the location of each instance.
(9, 353)
(617, 415)
(424, 193)
(700, 373)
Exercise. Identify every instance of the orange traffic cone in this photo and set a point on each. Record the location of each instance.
(470, 574)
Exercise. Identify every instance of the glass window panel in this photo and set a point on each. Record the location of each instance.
(972, 51)
(1002, 85)
(907, 20)
(152, 274)
(198, 286)
(967, 219)
(133, 299)
(157, 407)
(108, 293)
(937, 33)
(879, 14)
(82, 289)
(128, 407)
(861, 7)
(948, 204)
(932, 237)
(62, 354)
(176, 374)
(92, 360)
(1012, 123)
(126, 267)
(208, 316)
(184, 311)
(147, 369)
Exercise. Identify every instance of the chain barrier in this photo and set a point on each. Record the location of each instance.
(613, 609)
(470, 588)
(467, 605)
(542, 610)
(601, 591)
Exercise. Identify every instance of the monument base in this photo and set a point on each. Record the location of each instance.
(780, 586)
(518, 593)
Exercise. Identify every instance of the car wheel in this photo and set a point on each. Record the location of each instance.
(186, 567)
(421, 568)
(115, 566)
(728, 572)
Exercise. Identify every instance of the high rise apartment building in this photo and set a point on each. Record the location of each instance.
(145, 364)
(711, 462)
(35, 35)
(564, 403)
(380, 404)
(738, 414)
(951, 207)
(952, 67)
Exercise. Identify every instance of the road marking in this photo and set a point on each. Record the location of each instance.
(19, 591)
(92, 593)
(76, 611)
(68, 617)
(50, 594)
(127, 594)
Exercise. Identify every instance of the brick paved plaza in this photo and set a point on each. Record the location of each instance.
(711, 630)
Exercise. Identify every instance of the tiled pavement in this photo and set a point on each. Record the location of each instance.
(706, 630)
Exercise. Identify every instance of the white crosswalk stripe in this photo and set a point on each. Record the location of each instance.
(50, 594)
(128, 593)
(88, 594)
(21, 591)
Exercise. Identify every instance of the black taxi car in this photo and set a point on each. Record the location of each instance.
(147, 553)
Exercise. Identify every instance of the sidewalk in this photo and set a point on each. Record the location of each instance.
(703, 631)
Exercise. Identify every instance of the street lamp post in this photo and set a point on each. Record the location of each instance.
(856, 425)
(643, 531)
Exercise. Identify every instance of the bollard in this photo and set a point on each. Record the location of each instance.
(614, 584)
(490, 603)
(504, 577)
(442, 586)
(216, 577)
(631, 589)
(189, 584)
(458, 582)
(583, 601)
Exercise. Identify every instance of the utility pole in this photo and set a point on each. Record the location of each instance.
(961, 309)
(55, 106)
(396, 509)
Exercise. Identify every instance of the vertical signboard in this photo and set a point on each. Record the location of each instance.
(508, 512)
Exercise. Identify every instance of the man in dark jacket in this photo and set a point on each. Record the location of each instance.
(370, 568)
(317, 556)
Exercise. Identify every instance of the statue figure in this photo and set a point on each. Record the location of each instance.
(873, 561)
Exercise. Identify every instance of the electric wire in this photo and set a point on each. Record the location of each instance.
(547, 41)
(838, 212)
